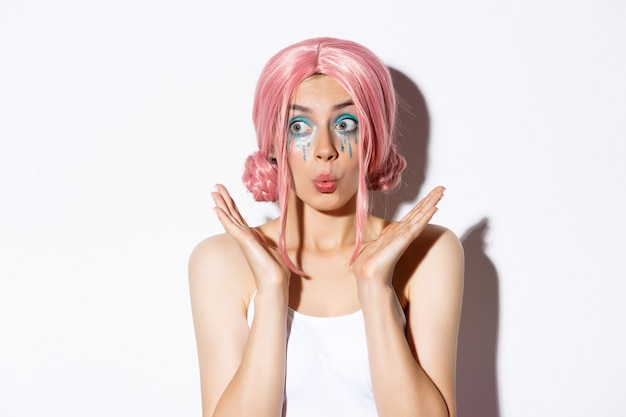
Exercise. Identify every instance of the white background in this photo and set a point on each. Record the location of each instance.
(117, 117)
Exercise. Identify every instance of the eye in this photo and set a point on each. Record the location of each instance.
(299, 126)
(347, 123)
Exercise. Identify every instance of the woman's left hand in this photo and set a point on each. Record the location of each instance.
(377, 260)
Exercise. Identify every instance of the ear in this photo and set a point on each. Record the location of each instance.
(272, 156)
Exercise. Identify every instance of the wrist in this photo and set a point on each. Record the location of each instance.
(375, 291)
(272, 294)
(379, 303)
(369, 285)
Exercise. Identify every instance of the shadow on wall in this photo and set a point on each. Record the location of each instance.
(413, 130)
(477, 384)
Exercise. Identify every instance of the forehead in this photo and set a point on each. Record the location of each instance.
(320, 91)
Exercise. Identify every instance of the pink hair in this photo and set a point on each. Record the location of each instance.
(368, 82)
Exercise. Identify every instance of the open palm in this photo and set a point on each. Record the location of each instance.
(264, 260)
(377, 260)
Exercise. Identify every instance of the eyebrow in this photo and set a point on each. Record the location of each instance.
(305, 109)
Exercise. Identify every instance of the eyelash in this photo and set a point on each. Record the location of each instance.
(296, 121)
(345, 117)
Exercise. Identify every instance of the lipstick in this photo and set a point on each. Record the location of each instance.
(325, 183)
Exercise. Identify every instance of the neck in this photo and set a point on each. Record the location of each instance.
(314, 230)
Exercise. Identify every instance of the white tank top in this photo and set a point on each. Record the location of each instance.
(327, 366)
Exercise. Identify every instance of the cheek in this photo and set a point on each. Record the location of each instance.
(297, 165)
(355, 170)
(299, 146)
(349, 143)
(298, 150)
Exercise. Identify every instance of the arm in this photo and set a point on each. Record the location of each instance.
(434, 312)
(414, 374)
(242, 371)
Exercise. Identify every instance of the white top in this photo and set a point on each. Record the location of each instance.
(327, 366)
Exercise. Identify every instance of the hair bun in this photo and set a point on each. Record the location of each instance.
(390, 174)
(261, 177)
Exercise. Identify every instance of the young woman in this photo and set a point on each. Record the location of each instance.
(326, 310)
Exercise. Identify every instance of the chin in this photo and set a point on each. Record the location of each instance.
(332, 202)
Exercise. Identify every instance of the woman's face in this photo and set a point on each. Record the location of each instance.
(323, 148)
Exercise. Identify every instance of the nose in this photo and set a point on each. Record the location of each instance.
(325, 149)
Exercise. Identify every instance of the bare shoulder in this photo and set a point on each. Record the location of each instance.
(217, 266)
(436, 244)
(214, 249)
(435, 258)
(439, 244)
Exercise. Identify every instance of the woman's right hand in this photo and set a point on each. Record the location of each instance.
(265, 262)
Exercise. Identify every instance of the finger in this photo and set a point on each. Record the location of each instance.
(224, 200)
(431, 201)
(220, 202)
(236, 227)
(425, 205)
(222, 209)
(230, 203)
(232, 223)
(434, 196)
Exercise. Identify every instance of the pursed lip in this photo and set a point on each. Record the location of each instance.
(325, 183)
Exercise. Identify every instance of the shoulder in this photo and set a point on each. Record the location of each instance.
(217, 266)
(438, 243)
(442, 262)
(213, 247)
(434, 260)
(216, 251)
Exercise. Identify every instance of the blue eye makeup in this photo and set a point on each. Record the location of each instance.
(347, 127)
(299, 126)
(346, 123)
(300, 131)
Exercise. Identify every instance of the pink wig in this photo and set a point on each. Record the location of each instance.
(368, 82)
